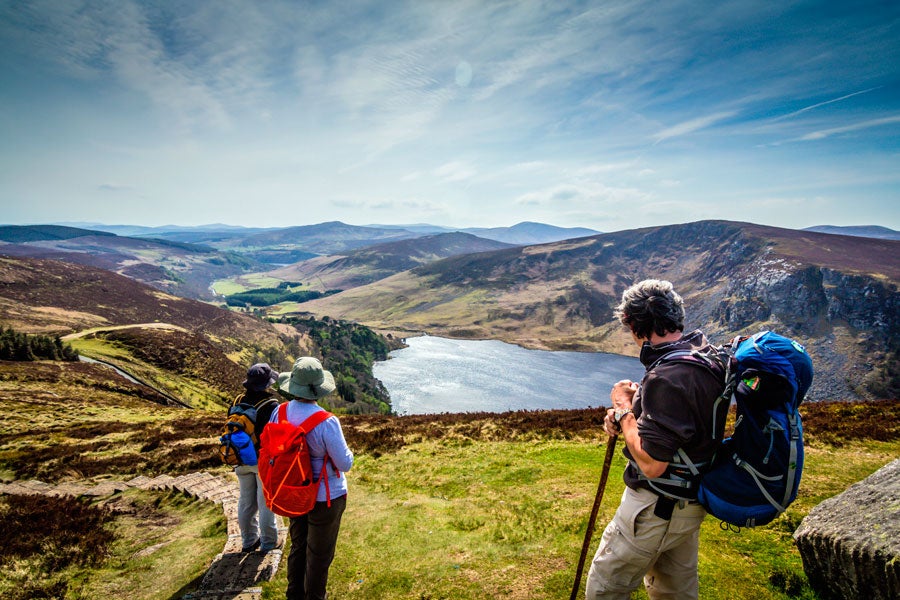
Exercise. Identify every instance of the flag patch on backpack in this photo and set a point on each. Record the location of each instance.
(285, 468)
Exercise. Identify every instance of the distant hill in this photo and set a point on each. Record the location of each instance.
(18, 234)
(838, 294)
(521, 234)
(372, 263)
(871, 231)
(165, 231)
(286, 245)
(528, 233)
(50, 296)
(180, 268)
(420, 228)
(333, 237)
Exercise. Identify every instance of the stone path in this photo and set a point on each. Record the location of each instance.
(232, 574)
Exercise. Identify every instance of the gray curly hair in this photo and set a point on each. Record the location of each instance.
(651, 306)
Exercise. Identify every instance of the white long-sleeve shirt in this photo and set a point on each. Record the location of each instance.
(326, 438)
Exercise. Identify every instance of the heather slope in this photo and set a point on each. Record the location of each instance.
(179, 268)
(191, 351)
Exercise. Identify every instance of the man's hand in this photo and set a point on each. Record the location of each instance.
(622, 393)
(609, 423)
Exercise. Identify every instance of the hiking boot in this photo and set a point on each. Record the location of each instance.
(251, 548)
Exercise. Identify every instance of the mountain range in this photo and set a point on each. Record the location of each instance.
(835, 293)
(372, 263)
(872, 231)
(187, 260)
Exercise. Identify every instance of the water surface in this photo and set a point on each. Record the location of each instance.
(435, 375)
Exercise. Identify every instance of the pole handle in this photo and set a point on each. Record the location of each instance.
(585, 547)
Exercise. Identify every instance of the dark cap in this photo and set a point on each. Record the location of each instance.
(259, 377)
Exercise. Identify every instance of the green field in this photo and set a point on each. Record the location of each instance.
(244, 283)
(485, 520)
(463, 506)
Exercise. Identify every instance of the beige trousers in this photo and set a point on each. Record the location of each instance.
(639, 545)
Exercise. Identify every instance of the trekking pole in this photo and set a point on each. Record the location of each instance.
(607, 463)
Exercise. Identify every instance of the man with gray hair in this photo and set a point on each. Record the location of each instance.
(655, 532)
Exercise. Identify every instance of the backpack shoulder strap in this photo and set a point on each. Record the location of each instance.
(716, 361)
(264, 402)
(282, 413)
(313, 420)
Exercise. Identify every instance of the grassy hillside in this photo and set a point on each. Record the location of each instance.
(497, 507)
(192, 353)
(53, 297)
(372, 263)
(478, 506)
(74, 422)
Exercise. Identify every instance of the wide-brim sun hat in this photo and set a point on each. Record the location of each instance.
(307, 380)
(282, 381)
(259, 377)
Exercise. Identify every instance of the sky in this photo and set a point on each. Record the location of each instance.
(609, 115)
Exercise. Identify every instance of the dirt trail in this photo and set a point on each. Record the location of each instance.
(155, 325)
(233, 575)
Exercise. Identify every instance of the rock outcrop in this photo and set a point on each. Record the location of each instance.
(850, 544)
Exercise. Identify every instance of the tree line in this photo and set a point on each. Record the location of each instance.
(21, 346)
(270, 296)
(349, 350)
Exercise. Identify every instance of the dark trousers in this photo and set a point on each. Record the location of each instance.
(313, 538)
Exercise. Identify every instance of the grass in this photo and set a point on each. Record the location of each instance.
(467, 506)
(136, 545)
(188, 389)
(244, 283)
(489, 519)
(164, 544)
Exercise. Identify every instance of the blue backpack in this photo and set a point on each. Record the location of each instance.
(755, 473)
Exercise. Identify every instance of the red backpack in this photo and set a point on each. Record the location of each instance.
(284, 465)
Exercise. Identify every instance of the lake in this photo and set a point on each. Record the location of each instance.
(435, 375)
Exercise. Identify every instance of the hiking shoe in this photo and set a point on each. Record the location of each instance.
(268, 548)
(251, 548)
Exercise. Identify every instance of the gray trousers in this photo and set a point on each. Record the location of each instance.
(313, 539)
(639, 545)
(255, 519)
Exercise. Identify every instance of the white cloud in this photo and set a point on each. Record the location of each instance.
(824, 133)
(692, 126)
(825, 103)
(455, 171)
(587, 195)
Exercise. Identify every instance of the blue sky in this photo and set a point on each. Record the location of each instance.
(609, 115)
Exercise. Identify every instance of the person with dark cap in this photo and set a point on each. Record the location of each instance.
(654, 535)
(314, 535)
(256, 521)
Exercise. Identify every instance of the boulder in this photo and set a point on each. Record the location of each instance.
(850, 544)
